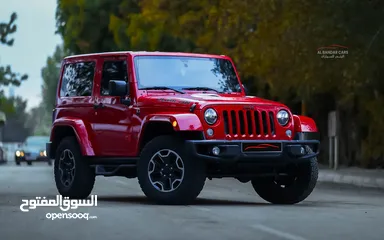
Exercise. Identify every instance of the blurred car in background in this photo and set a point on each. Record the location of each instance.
(33, 150)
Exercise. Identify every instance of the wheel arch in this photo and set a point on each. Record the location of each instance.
(155, 127)
(304, 124)
(67, 128)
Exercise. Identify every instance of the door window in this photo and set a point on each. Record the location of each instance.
(77, 79)
(113, 70)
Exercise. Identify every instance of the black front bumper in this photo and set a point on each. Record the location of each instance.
(38, 159)
(234, 151)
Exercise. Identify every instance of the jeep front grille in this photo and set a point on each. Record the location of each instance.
(249, 122)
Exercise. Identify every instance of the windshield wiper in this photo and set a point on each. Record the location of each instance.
(202, 89)
(162, 88)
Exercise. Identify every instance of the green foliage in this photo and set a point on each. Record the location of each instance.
(17, 129)
(274, 45)
(7, 76)
(39, 121)
(51, 74)
(84, 24)
(40, 117)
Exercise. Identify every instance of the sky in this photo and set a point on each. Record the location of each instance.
(35, 41)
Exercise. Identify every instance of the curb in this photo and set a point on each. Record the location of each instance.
(351, 180)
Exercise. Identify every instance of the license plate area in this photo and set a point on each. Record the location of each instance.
(271, 147)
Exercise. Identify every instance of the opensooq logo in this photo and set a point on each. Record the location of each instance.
(63, 203)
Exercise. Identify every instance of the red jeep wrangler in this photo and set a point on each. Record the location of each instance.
(173, 120)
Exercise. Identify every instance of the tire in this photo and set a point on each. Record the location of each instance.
(301, 188)
(191, 179)
(80, 185)
(29, 163)
(17, 163)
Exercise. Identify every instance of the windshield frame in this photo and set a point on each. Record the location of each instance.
(194, 56)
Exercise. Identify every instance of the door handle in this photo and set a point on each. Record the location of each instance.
(98, 105)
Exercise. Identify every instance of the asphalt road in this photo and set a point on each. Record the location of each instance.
(226, 209)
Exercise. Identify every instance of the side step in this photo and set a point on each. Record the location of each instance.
(125, 170)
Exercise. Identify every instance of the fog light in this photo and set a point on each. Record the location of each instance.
(302, 150)
(288, 133)
(216, 151)
(210, 132)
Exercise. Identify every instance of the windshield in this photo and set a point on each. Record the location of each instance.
(186, 72)
(37, 141)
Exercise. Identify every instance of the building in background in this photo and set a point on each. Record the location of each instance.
(2, 123)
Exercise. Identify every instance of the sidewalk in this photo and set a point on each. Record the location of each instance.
(373, 178)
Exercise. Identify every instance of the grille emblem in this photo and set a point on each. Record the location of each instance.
(248, 107)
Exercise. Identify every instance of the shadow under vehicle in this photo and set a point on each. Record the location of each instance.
(33, 150)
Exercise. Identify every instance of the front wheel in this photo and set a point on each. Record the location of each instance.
(167, 174)
(73, 176)
(29, 163)
(294, 189)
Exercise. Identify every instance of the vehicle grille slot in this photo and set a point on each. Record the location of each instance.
(257, 122)
(265, 122)
(242, 122)
(226, 122)
(234, 122)
(249, 122)
(272, 123)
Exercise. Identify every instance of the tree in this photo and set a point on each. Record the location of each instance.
(7, 76)
(16, 128)
(39, 121)
(51, 74)
(273, 44)
(84, 25)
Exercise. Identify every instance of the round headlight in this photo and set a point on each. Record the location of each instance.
(282, 117)
(17, 153)
(210, 116)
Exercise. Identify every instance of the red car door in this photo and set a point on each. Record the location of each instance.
(112, 123)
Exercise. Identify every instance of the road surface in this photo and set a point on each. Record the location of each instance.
(226, 209)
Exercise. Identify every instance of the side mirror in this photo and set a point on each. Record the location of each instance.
(117, 88)
(246, 90)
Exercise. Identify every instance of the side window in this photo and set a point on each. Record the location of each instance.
(113, 70)
(77, 79)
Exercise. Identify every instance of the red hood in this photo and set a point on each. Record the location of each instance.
(202, 99)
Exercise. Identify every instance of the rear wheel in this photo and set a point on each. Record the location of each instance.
(73, 176)
(29, 163)
(167, 174)
(293, 189)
